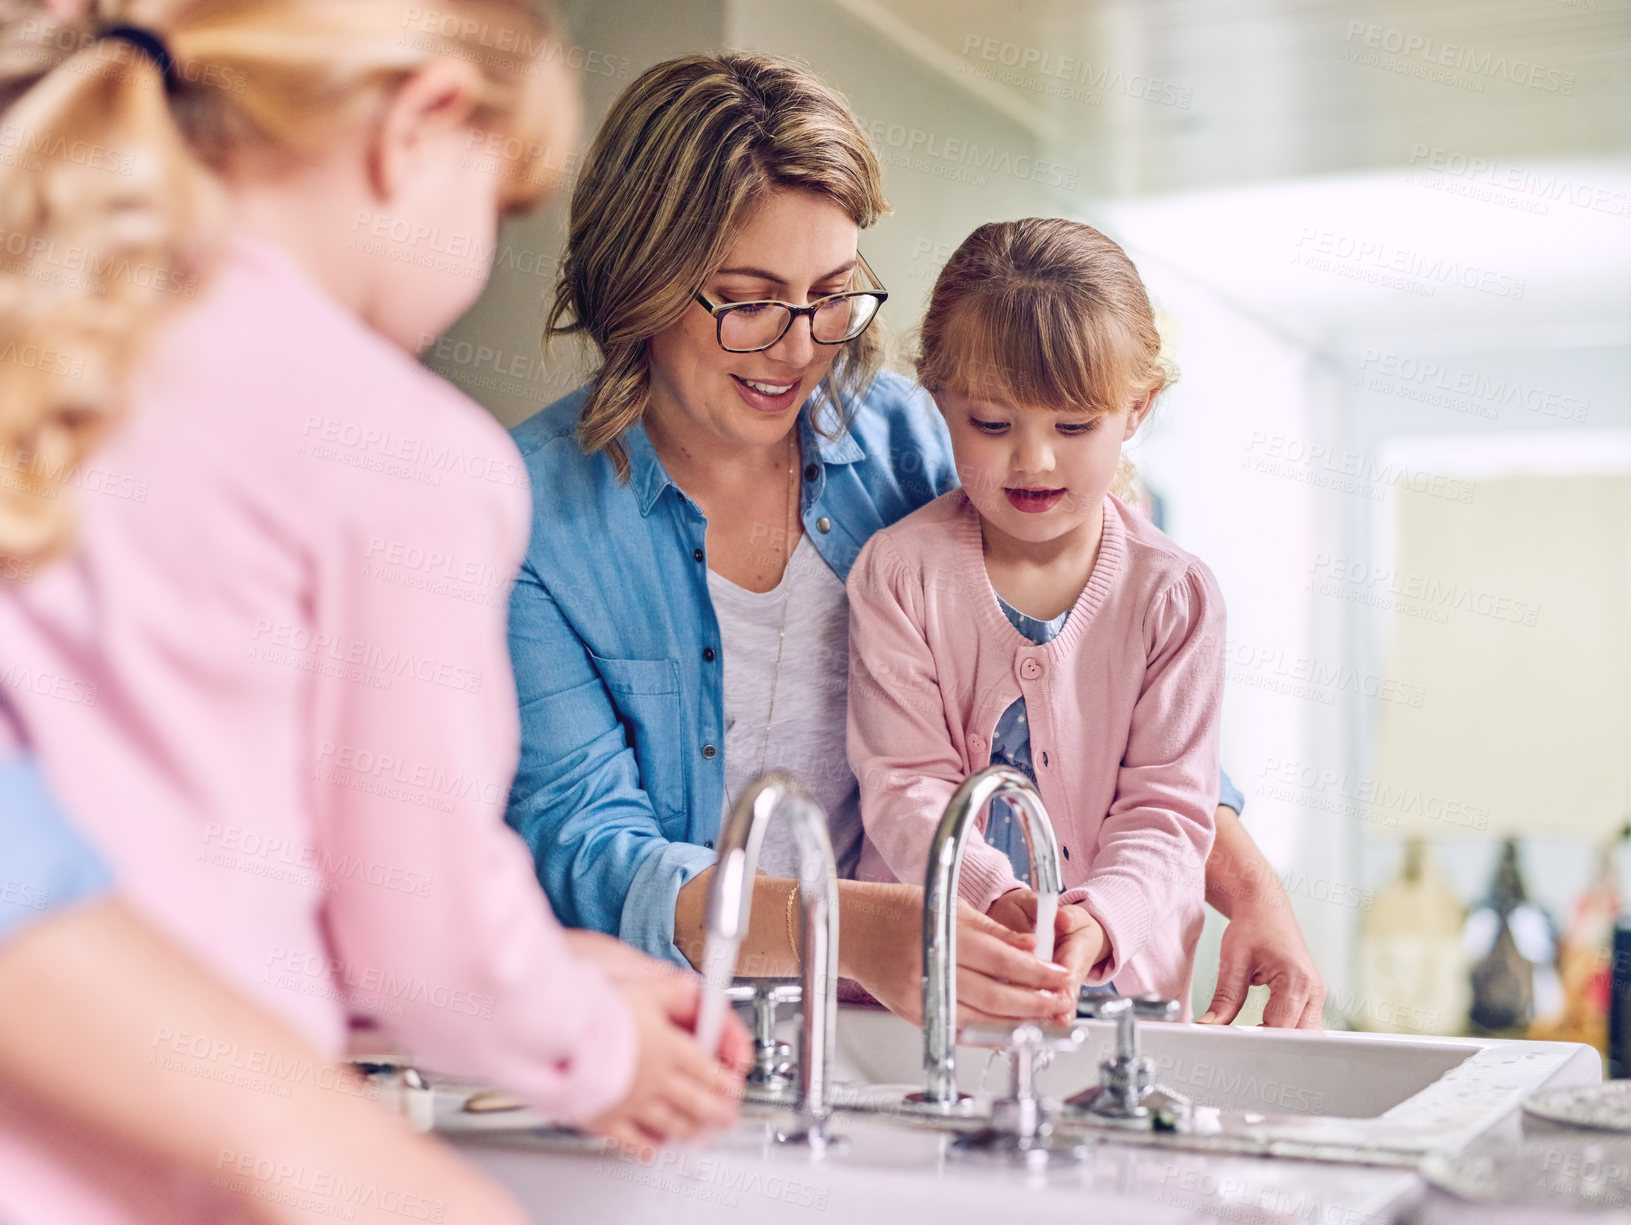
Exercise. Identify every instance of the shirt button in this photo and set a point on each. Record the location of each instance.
(1031, 669)
(709, 844)
(709, 751)
(823, 525)
(697, 554)
(707, 655)
(811, 472)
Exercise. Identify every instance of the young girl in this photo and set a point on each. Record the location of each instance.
(272, 682)
(1031, 618)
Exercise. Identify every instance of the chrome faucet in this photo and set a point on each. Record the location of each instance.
(940, 912)
(770, 1078)
(1127, 1094)
(729, 903)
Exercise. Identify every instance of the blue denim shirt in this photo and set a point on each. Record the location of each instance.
(617, 655)
(44, 864)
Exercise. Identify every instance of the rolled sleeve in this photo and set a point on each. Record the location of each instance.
(598, 846)
(1229, 795)
(44, 864)
(648, 911)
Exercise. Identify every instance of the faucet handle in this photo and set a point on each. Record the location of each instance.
(1156, 1008)
(1094, 1004)
(1025, 1037)
(772, 1071)
(769, 990)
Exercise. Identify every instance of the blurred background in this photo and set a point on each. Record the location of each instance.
(1390, 245)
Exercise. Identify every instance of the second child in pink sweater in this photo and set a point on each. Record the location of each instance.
(1032, 619)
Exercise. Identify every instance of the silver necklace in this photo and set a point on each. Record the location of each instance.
(788, 525)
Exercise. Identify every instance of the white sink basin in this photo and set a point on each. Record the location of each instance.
(1344, 1100)
(1392, 1094)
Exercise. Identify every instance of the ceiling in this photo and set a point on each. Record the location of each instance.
(1454, 166)
(1255, 89)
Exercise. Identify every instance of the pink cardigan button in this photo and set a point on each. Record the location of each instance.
(1031, 669)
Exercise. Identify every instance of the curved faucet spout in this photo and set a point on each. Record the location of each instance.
(730, 901)
(940, 909)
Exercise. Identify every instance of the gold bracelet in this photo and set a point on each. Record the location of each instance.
(792, 932)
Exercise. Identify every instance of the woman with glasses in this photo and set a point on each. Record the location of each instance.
(680, 623)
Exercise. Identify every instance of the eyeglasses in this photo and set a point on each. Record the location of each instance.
(749, 327)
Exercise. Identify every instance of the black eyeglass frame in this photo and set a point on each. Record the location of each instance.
(720, 309)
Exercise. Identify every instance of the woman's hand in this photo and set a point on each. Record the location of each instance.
(679, 1091)
(1262, 946)
(998, 976)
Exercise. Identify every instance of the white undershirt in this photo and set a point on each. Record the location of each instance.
(807, 732)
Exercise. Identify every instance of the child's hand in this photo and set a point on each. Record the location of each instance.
(1078, 941)
(1079, 945)
(1015, 910)
(679, 1091)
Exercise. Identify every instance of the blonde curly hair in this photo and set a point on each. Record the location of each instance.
(111, 211)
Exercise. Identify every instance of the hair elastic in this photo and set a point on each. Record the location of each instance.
(150, 45)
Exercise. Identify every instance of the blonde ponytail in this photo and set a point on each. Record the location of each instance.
(105, 217)
(111, 213)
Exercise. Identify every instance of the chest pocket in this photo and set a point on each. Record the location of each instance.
(646, 693)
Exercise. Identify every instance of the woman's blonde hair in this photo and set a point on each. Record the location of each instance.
(110, 207)
(689, 150)
(1042, 313)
